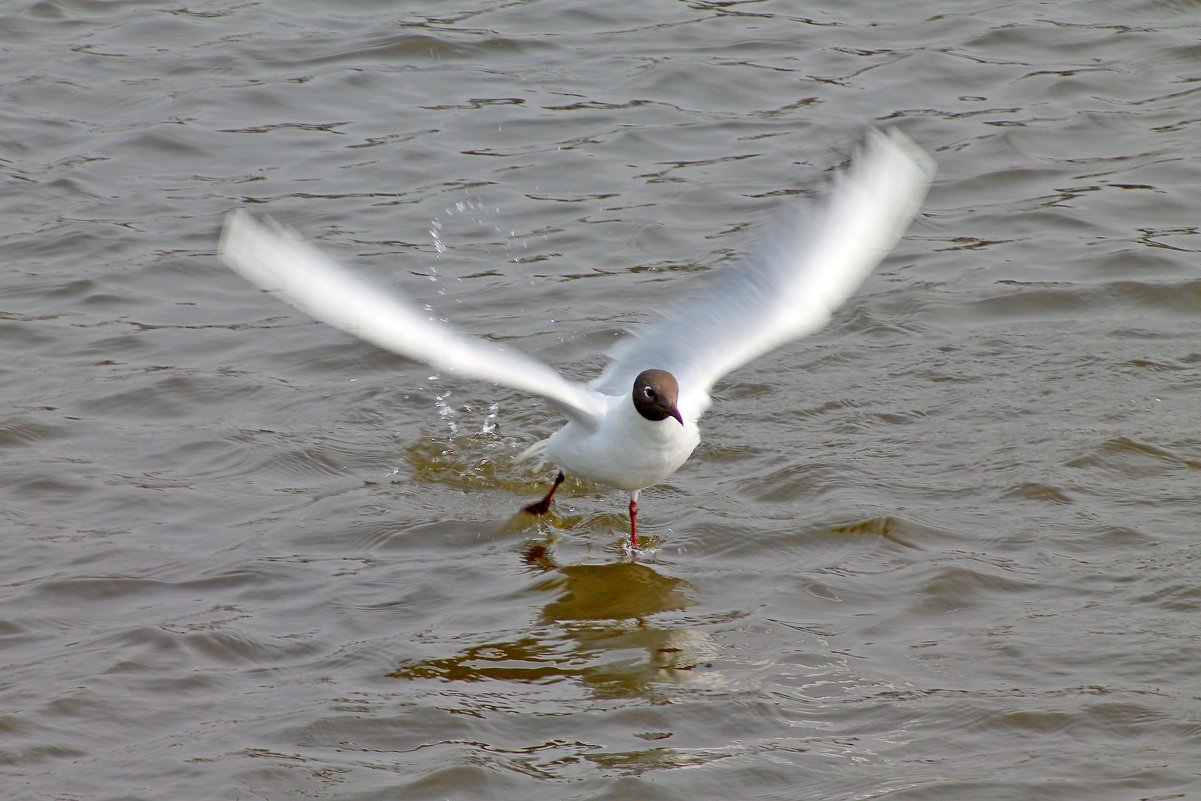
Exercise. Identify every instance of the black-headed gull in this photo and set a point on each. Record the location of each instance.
(627, 438)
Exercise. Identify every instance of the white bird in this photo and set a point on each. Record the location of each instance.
(636, 423)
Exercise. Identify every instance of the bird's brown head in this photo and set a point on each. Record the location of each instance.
(655, 395)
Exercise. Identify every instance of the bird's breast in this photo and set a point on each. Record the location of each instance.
(625, 451)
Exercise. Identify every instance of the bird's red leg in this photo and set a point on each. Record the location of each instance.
(543, 506)
(633, 523)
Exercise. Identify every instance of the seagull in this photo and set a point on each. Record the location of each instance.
(636, 423)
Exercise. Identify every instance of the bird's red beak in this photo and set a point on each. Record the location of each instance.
(674, 412)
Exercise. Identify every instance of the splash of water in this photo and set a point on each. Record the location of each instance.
(475, 213)
(445, 410)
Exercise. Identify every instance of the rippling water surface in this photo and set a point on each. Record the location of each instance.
(945, 549)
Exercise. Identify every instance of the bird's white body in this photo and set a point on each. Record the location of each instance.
(625, 451)
(788, 288)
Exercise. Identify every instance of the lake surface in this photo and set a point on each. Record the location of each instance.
(945, 549)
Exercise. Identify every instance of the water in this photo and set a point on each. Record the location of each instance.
(945, 549)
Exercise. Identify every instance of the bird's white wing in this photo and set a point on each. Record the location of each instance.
(792, 285)
(279, 260)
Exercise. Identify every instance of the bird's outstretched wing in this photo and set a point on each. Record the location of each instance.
(279, 260)
(792, 284)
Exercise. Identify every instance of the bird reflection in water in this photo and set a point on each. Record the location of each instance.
(596, 629)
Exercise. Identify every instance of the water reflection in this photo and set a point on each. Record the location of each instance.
(597, 629)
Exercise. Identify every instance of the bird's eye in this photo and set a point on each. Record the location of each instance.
(647, 391)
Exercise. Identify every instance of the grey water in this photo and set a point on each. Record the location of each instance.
(947, 548)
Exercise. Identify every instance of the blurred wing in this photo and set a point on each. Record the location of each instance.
(279, 260)
(794, 283)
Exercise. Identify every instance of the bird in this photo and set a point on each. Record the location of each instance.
(636, 423)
